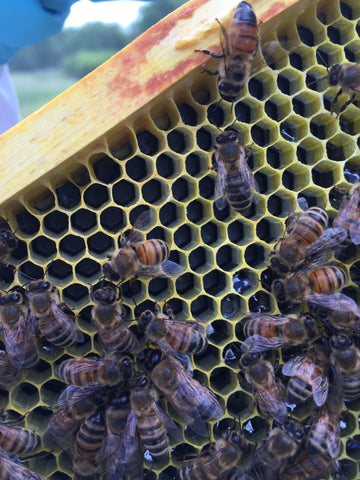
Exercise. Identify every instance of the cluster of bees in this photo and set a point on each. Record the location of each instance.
(110, 412)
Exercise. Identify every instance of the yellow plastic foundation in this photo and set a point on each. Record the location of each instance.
(139, 132)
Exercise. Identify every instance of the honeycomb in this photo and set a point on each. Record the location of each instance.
(71, 203)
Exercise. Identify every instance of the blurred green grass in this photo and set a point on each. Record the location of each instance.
(34, 89)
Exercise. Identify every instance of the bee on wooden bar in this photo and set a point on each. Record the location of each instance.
(269, 392)
(224, 454)
(136, 257)
(18, 330)
(107, 315)
(239, 47)
(56, 326)
(168, 333)
(348, 216)
(265, 332)
(235, 183)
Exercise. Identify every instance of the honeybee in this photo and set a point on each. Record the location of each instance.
(11, 470)
(223, 455)
(117, 412)
(269, 392)
(348, 216)
(93, 371)
(306, 239)
(136, 257)
(345, 357)
(152, 423)
(56, 326)
(309, 375)
(84, 469)
(347, 77)
(267, 332)
(310, 467)
(191, 400)
(8, 240)
(235, 182)
(239, 48)
(18, 330)
(312, 284)
(74, 405)
(168, 333)
(277, 451)
(17, 439)
(8, 373)
(107, 315)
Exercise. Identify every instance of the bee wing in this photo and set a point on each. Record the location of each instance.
(245, 170)
(129, 442)
(354, 232)
(274, 319)
(171, 427)
(68, 323)
(334, 301)
(258, 343)
(16, 340)
(219, 192)
(164, 270)
(321, 249)
(271, 398)
(75, 393)
(143, 221)
(16, 471)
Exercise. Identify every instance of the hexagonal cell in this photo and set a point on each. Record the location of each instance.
(122, 147)
(72, 246)
(154, 190)
(248, 111)
(316, 79)
(240, 405)
(106, 170)
(166, 165)
(75, 293)
(203, 308)
(196, 164)
(131, 289)
(60, 270)
(227, 258)
(179, 140)
(325, 174)
(42, 200)
(38, 419)
(125, 193)
(269, 229)
(311, 35)
(96, 195)
(201, 259)
(112, 219)
(197, 212)
(340, 32)
(350, 9)
(310, 151)
(261, 85)
(255, 429)
(216, 115)
(295, 178)
(231, 305)
(280, 204)
(352, 51)
(206, 186)
(49, 391)
(277, 107)
(87, 269)
(182, 189)
(328, 54)
(349, 121)
(201, 92)
(39, 373)
(212, 234)
(187, 284)
(223, 380)
(261, 302)
(255, 255)
(214, 282)
(99, 243)
(68, 195)
(219, 332)
(267, 181)
(138, 168)
(289, 82)
(30, 270)
(27, 222)
(306, 104)
(353, 447)
(301, 58)
(161, 288)
(207, 359)
(24, 397)
(189, 115)
(164, 117)
(231, 354)
(352, 170)
(147, 142)
(264, 132)
(314, 196)
(240, 232)
(43, 247)
(185, 237)
(56, 222)
(80, 175)
(204, 139)
(340, 147)
(83, 220)
(322, 126)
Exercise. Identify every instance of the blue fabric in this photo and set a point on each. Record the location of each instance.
(25, 22)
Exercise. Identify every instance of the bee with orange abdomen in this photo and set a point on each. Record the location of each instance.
(17, 439)
(235, 182)
(306, 240)
(107, 315)
(312, 284)
(348, 216)
(345, 357)
(266, 332)
(223, 455)
(136, 257)
(168, 333)
(18, 330)
(239, 48)
(56, 326)
(269, 392)
(347, 77)
(309, 374)
(92, 371)
(191, 400)
(10, 469)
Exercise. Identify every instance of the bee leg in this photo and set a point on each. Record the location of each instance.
(209, 72)
(334, 101)
(212, 54)
(347, 103)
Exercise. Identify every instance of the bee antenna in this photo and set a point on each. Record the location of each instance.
(47, 267)
(316, 81)
(322, 58)
(27, 276)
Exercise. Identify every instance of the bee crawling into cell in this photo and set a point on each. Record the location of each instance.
(235, 183)
(239, 47)
(137, 257)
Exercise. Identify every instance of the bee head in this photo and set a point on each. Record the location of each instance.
(144, 320)
(277, 287)
(341, 341)
(333, 75)
(109, 272)
(9, 238)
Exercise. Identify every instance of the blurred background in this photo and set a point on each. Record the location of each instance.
(93, 33)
